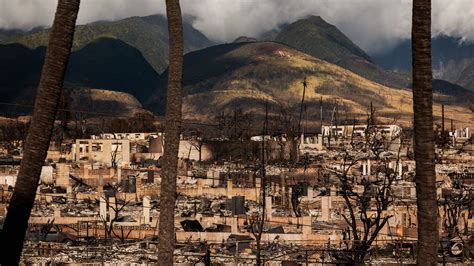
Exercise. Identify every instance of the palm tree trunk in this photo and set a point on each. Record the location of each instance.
(172, 134)
(424, 134)
(39, 134)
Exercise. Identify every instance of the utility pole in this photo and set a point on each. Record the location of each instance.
(321, 112)
(332, 121)
(305, 84)
(371, 115)
(263, 188)
(442, 117)
(305, 123)
(336, 118)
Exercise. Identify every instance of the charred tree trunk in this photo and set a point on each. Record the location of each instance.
(424, 134)
(261, 222)
(39, 134)
(172, 133)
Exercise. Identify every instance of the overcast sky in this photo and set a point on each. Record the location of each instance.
(375, 25)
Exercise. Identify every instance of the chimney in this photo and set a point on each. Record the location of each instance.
(229, 188)
(268, 207)
(119, 174)
(400, 168)
(112, 202)
(146, 209)
(103, 209)
(235, 225)
(325, 206)
(368, 166)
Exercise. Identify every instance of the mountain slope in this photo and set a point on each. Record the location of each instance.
(322, 40)
(6, 34)
(105, 63)
(453, 60)
(448, 93)
(245, 75)
(114, 65)
(114, 103)
(148, 34)
(20, 69)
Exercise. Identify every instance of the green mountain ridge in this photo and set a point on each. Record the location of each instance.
(148, 34)
(314, 36)
(318, 38)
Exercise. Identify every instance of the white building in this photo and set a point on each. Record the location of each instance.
(461, 133)
(359, 130)
(130, 136)
(106, 151)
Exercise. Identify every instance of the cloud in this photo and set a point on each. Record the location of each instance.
(375, 25)
(454, 18)
(26, 14)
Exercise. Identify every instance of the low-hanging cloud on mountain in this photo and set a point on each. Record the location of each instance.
(375, 25)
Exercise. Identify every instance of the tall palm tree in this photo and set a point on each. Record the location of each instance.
(172, 133)
(39, 134)
(424, 134)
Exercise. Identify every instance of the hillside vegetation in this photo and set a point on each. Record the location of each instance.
(316, 37)
(123, 56)
(148, 34)
(104, 63)
(103, 102)
(244, 75)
